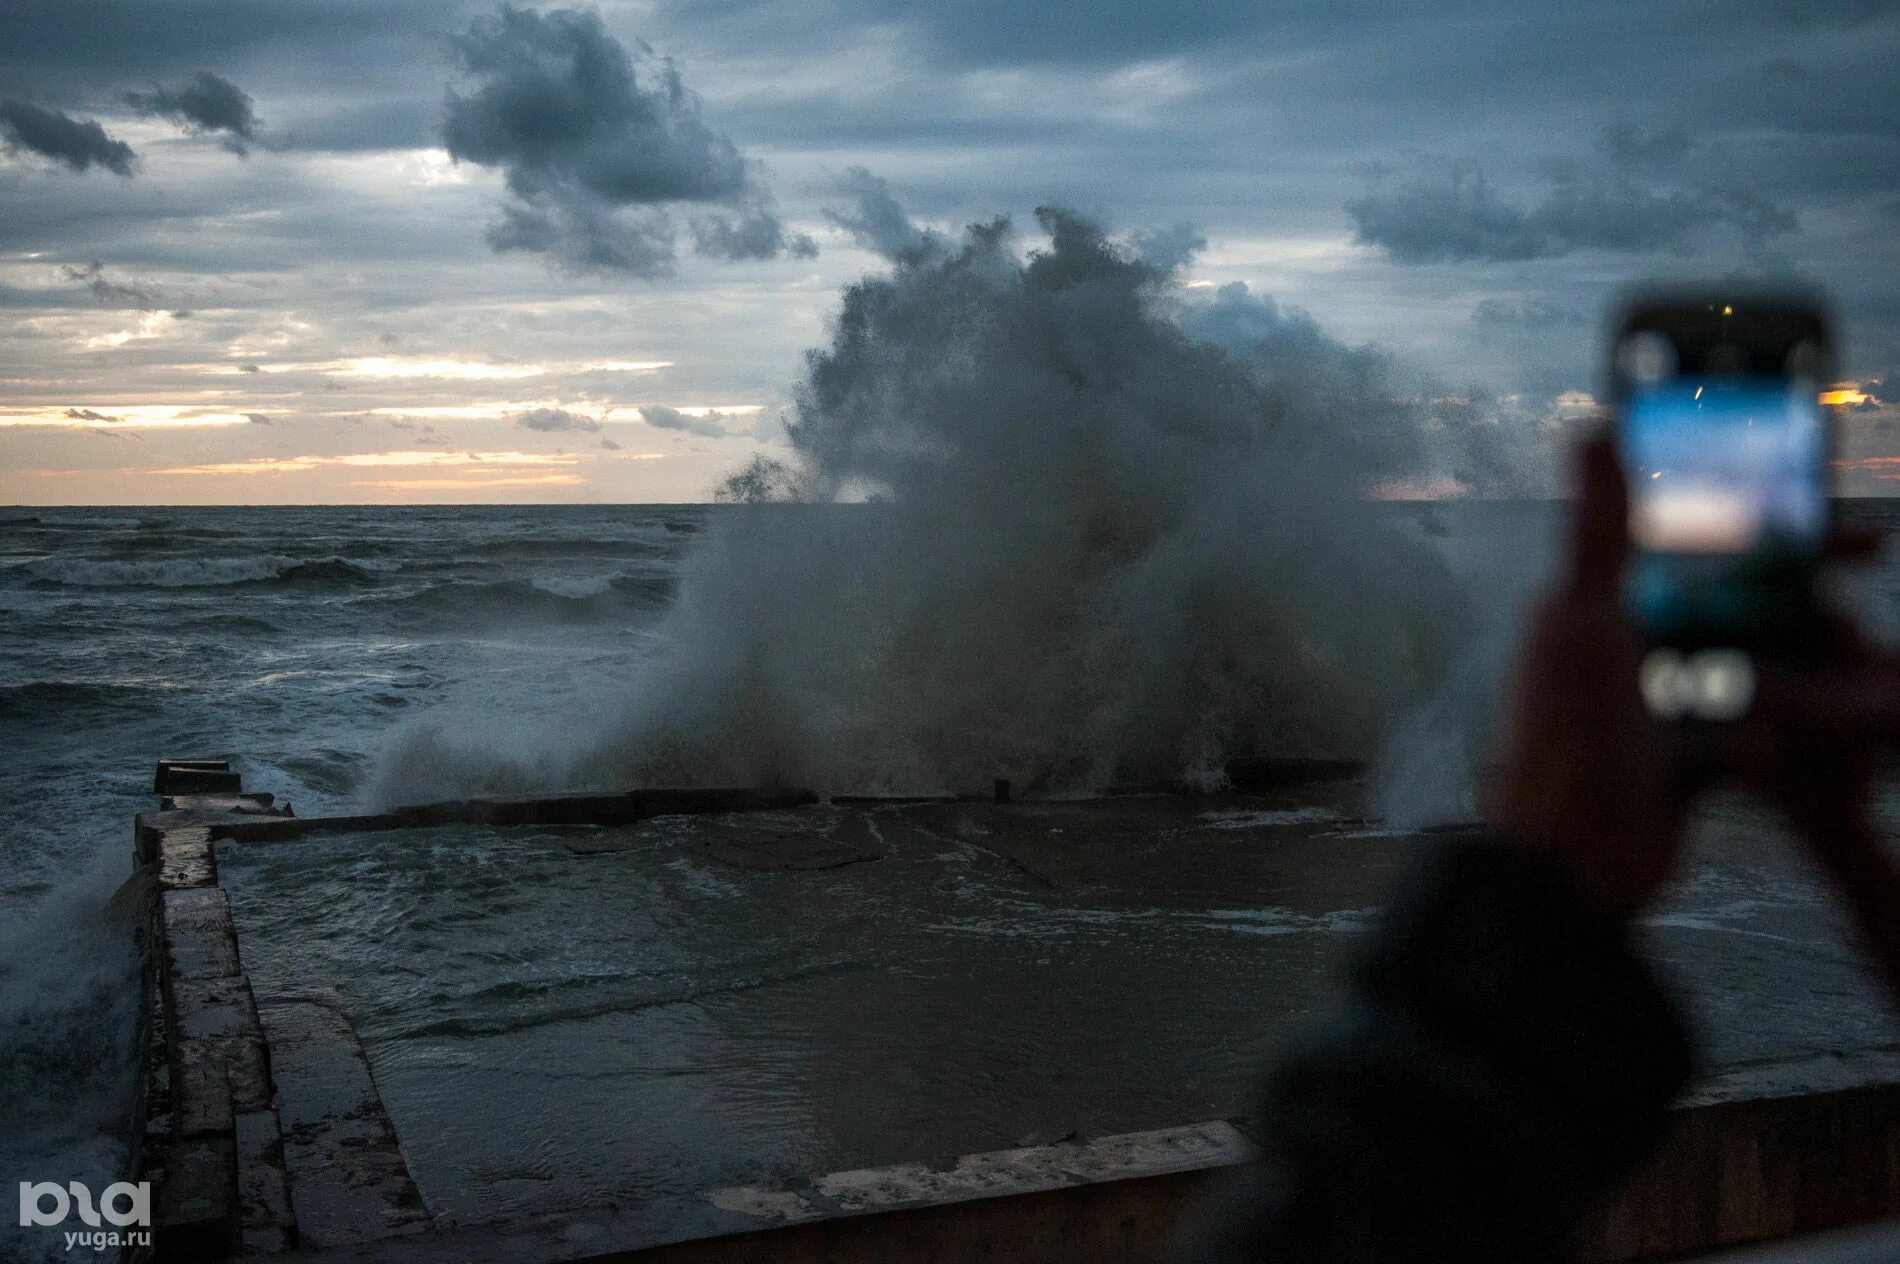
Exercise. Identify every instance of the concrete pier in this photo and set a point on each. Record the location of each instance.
(267, 1133)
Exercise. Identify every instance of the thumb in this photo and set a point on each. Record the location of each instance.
(1599, 539)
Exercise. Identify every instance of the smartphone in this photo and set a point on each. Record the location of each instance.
(1727, 449)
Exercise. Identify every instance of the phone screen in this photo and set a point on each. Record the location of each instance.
(1728, 505)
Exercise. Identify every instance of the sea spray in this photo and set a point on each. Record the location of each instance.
(1075, 525)
(69, 1002)
(1431, 767)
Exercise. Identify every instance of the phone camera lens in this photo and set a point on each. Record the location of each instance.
(1717, 685)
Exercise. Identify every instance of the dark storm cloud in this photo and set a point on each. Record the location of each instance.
(341, 75)
(555, 419)
(1630, 196)
(114, 293)
(74, 143)
(582, 127)
(1845, 15)
(559, 102)
(1533, 313)
(753, 233)
(1630, 145)
(1449, 55)
(1168, 249)
(203, 104)
(673, 419)
(1456, 215)
(110, 43)
(1006, 31)
(1622, 215)
(875, 220)
(88, 414)
(587, 236)
(1253, 122)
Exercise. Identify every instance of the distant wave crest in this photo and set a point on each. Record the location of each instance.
(197, 572)
(37, 700)
(542, 599)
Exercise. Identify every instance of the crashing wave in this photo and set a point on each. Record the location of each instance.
(1115, 532)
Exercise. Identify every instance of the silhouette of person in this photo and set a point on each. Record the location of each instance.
(1503, 1058)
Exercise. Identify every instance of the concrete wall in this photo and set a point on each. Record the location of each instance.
(264, 1133)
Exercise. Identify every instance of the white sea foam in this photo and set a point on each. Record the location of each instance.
(575, 587)
(1429, 768)
(1266, 818)
(69, 999)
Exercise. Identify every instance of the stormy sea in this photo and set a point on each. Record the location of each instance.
(321, 648)
(292, 638)
(333, 653)
(1033, 519)
(1045, 517)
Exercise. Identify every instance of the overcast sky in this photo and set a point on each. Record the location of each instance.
(314, 250)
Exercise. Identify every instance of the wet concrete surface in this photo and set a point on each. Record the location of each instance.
(573, 1017)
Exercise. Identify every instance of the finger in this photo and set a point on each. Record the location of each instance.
(1599, 544)
(1860, 701)
(1846, 642)
(1696, 758)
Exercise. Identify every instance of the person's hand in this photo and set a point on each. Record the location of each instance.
(1587, 775)
(1814, 740)
(1812, 746)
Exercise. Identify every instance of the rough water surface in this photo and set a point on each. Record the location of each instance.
(302, 641)
(293, 640)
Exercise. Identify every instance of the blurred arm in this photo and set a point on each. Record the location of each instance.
(1502, 1060)
(1869, 884)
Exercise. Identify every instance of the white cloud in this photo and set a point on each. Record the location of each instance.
(130, 416)
(399, 459)
(151, 325)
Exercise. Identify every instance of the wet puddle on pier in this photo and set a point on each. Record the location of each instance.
(561, 1018)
